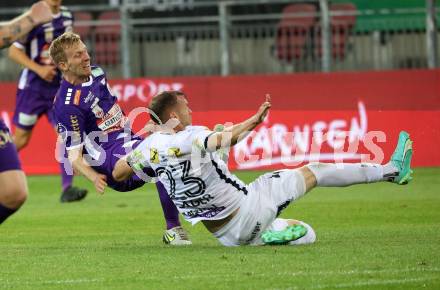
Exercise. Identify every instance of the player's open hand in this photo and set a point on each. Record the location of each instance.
(263, 110)
(47, 72)
(100, 183)
(40, 12)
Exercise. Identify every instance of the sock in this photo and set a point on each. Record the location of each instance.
(66, 179)
(170, 211)
(344, 174)
(5, 212)
(390, 171)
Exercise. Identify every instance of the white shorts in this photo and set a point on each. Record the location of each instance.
(267, 196)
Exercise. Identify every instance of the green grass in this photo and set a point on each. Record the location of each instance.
(380, 236)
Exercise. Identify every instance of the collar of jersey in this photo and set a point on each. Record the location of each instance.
(89, 82)
(86, 84)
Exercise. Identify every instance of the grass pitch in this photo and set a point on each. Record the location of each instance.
(379, 236)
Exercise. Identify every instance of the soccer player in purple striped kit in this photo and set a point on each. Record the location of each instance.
(38, 84)
(94, 128)
(13, 186)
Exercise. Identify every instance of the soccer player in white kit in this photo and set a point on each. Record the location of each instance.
(185, 159)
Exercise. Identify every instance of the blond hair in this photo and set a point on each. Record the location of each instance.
(60, 44)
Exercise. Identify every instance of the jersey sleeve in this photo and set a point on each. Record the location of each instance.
(21, 42)
(71, 126)
(105, 90)
(199, 136)
(138, 158)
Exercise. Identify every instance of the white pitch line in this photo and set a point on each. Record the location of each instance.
(226, 276)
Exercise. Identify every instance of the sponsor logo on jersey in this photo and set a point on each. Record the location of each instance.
(154, 156)
(76, 134)
(44, 55)
(113, 120)
(174, 152)
(62, 131)
(74, 123)
(135, 159)
(96, 109)
(66, 14)
(90, 97)
(77, 97)
(97, 71)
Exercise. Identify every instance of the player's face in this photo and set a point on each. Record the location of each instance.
(54, 5)
(78, 60)
(183, 112)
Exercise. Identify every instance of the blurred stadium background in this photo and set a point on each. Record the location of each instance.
(342, 72)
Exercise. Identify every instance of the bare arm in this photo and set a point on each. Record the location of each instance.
(122, 170)
(81, 166)
(19, 26)
(46, 72)
(232, 135)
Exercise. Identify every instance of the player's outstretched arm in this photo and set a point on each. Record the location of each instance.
(81, 166)
(19, 26)
(233, 134)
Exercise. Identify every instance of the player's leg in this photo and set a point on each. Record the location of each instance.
(22, 137)
(175, 234)
(285, 185)
(13, 192)
(27, 111)
(397, 170)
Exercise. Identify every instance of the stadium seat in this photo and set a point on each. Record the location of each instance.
(83, 31)
(293, 31)
(107, 42)
(341, 28)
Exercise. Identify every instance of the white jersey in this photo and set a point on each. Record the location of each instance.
(198, 182)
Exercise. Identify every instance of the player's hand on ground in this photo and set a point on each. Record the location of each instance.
(263, 110)
(100, 183)
(47, 72)
(40, 12)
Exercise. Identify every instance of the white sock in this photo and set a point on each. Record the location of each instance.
(344, 174)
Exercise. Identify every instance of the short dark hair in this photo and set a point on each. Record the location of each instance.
(161, 104)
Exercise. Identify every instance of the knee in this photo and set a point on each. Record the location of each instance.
(15, 197)
(21, 197)
(21, 141)
(308, 173)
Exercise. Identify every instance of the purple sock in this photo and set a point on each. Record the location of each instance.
(5, 212)
(170, 211)
(66, 179)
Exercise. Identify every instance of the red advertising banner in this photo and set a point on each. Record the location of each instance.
(315, 117)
